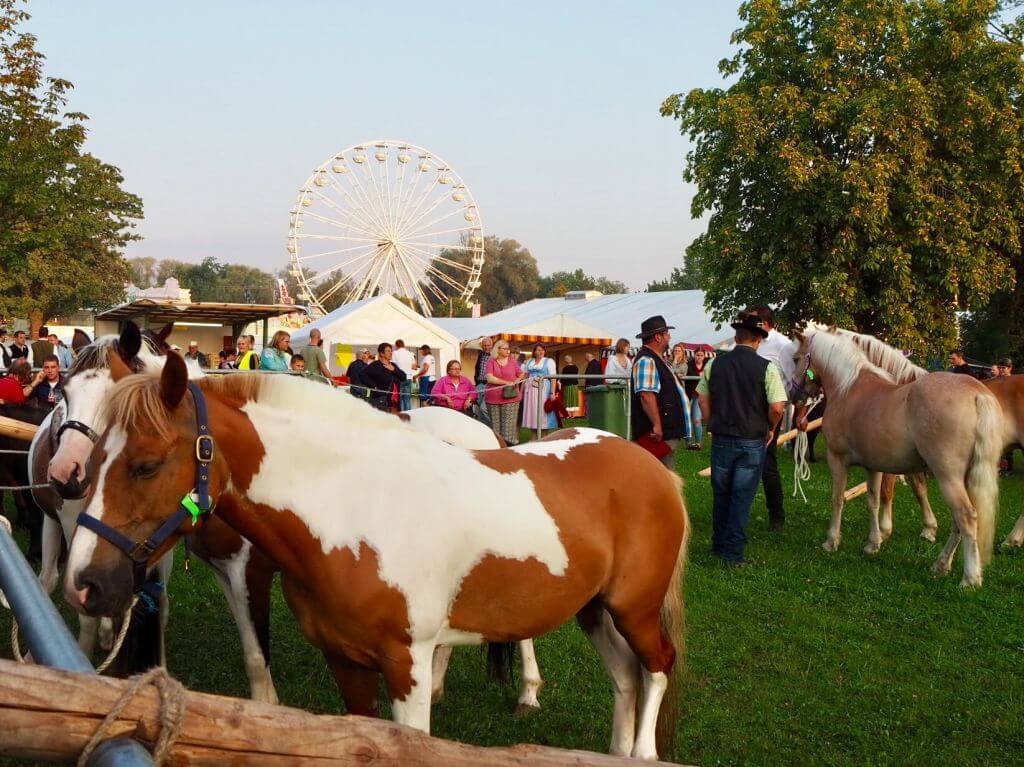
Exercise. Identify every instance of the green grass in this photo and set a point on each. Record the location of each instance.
(805, 658)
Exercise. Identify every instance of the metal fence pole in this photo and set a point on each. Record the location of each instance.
(45, 632)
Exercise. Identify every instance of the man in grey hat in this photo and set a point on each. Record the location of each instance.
(742, 398)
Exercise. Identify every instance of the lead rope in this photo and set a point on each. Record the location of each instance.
(801, 466)
(172, 714)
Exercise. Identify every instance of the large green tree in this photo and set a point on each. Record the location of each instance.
(864, 167)
(509, 276)
(64, 218)
(560, 283)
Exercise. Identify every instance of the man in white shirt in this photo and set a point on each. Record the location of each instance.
(779, 350)
(405, 361)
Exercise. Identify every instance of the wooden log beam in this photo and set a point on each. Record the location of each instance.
(855, 492)
(49, 715)
(10, 427)
(783, 439)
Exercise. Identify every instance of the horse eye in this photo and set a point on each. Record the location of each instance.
(145, 470)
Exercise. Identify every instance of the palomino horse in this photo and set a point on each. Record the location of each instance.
(946, 423)
(243, 573)
(513, 543)
(1008, 391)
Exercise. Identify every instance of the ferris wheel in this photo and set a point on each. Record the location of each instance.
(385, 217)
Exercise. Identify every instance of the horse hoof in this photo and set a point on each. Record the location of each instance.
(436, 696)
(928, 534)
(940, 568)
(1012, 543)
(872, 548)
(524, 709)
(830, 545)
(970, 583)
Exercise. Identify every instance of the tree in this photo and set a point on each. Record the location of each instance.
(64, 219)
(865, 166)
(142, 271)
(509, 275)
(560, 283)
(685, 277)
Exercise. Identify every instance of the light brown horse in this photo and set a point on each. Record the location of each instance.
(946, 423)
(512, 544)
(1008, 391)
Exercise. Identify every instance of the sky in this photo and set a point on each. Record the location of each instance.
(217, 112)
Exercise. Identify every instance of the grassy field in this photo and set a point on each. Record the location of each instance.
(804, 658)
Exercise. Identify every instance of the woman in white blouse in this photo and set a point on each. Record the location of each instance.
(617, 371)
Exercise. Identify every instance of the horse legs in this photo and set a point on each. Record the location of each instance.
(839, 471)
(409, 684)
(624, 669)
(1016, 536)
(887, 491)
(919, 484)
(251, 610)
(442, 656)
(875, 537)
(532, 681)
(358, 685)
(52, 536)
(965, 521)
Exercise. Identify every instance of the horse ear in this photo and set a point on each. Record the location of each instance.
(173, 381)
(118, 367)
(130, 342)
(80, 340)
(163, 333)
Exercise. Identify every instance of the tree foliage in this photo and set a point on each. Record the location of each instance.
(560, 283)
(509, 276)
(685, 277)
(864, 167)
(64, 218)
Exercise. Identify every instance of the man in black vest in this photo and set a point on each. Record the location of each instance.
(742, 398)
(659, 410)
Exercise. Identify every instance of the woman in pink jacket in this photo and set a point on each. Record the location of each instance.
(454, 390)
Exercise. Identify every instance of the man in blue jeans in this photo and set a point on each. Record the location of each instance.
(742, 398)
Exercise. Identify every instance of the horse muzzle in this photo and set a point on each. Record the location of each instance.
(72, 490)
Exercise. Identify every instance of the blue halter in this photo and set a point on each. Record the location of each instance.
(139, 552)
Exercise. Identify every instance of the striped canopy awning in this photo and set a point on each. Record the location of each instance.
(530, 338)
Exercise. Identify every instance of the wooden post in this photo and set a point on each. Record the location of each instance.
(9, 427)
(49, 715)
(856, 491)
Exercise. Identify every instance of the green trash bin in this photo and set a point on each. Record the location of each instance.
(606, 409)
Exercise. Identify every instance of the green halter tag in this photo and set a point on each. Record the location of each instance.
(192, 507)
(810, 374)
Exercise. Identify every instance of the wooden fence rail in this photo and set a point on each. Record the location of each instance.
(49, 715)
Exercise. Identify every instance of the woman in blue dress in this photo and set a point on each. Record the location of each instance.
(538, 365)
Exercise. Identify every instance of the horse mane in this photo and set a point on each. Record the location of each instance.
(136, 401)
(837, 355)
(94, 356)
(886, 357)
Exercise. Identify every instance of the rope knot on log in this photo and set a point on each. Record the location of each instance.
(172, 713)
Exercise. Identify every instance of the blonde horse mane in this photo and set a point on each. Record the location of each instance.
(835, 354)
(135, 401)
(886, 357)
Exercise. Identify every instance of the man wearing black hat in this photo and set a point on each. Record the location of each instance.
(660, 413)
(742, 398)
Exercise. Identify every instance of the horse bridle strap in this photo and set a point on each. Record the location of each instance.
(192, 506)
(79, 427)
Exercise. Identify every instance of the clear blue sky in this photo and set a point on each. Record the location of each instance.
(216, 112)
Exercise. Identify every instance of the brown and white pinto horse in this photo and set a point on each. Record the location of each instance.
(513, 544)
(943, 422)
(243, 573)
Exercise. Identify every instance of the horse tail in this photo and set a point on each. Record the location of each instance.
(501, 658)
(673, 626)
(982, 477)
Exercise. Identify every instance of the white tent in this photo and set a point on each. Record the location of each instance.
(366, 323)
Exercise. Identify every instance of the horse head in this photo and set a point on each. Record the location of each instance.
(144, 469)
(77, 417)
